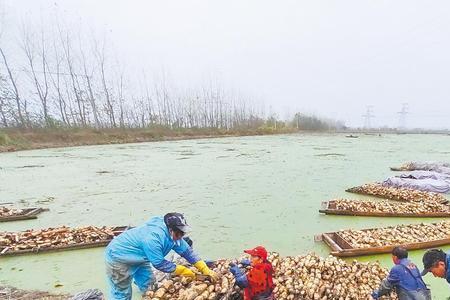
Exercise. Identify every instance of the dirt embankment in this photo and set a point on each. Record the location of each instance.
(27, 139)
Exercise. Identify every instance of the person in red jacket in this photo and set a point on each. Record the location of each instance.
(257, 282)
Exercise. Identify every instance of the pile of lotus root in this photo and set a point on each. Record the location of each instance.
(396, 235)
(306, 277)
(8, 212)
(52, 237)
(385, 206)
(399, 194)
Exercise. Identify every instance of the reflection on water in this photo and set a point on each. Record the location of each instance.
(235, 192)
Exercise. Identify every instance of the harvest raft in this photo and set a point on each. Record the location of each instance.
(347, 243)
(14, 214)
(385, 208)
(56, 239)
(397, 194)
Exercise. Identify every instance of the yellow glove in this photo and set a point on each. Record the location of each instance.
(183, 271)
(203, 268)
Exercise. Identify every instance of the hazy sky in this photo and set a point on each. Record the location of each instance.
(332, 58)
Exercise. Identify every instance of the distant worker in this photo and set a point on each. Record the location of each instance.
(257, 282)
(437, 262)
(404, 278)
(131, 255)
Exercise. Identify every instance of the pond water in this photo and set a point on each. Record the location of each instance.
(235, 192)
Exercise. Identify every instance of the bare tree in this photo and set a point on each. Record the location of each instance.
(66, 44)
(4, 100)
(101, 60)
(15, 90)
(56, 81)
(41, 83)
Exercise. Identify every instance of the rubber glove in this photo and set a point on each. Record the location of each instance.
(241, 278)
(203, 268)
(235, 270)
(245, 262)
(183, 271)
(375, 295)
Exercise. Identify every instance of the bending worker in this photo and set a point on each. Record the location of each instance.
(132, 254)
(437, 262)
(405, 278)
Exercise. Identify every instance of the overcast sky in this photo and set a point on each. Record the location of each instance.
(332, 58)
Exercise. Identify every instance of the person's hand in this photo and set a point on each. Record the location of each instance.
(203, 268)
(235, 270)
(245, 262)
(213, 276)
(375, 295)
(184, 271)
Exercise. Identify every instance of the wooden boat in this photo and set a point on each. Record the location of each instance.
(351, 136)
(26, 214)
(397, 169)
(341, 248)
(116, 230)
(329, 208)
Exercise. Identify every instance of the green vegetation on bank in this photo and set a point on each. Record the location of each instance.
(38, 138)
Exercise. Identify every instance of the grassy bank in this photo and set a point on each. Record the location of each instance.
(27, 139)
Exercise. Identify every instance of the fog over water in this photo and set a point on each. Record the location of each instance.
(332, 58)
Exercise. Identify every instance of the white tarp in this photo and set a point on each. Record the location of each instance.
(426, 184)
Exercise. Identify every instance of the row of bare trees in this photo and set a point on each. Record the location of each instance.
(57, 78)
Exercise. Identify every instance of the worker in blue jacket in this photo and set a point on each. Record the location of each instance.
(131, 255)
(437, 262)
(404, 278)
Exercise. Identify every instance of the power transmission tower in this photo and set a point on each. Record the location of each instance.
(402, 116)
(368, 117)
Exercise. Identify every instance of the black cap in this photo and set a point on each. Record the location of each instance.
(176, 221)
(430, 258)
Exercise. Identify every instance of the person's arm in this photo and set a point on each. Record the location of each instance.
(153, 250)
(388, 284)
(188, 253)
(241, 277)
(185, 251)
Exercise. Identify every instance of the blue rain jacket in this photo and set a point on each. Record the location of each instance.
(447, 271)
(150, 242)
(409, 280)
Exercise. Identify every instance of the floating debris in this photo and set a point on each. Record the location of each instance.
(330, 154)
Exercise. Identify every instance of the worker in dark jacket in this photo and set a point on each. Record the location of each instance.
(257, 283)
(404, 278)
(437, 262)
